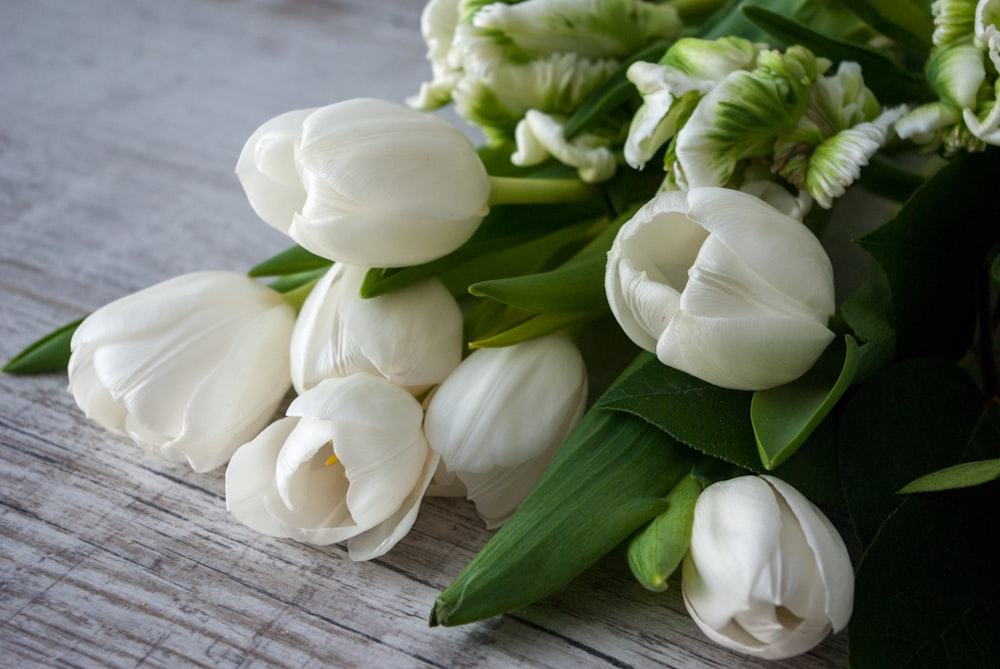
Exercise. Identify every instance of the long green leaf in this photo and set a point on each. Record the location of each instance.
(890, 83)
(578, 288)
(536, 326)
(784, 417)
(293, 260)
(607, 480)
(48, 354)
(905, 21)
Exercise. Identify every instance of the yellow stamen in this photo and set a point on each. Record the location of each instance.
(332, 460)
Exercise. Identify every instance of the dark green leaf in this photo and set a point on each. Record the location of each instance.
(290, 282)
(927, 592)
(981, 462)
(910, 419)
(505, 226)
(890, 83)
(784, 417)
(868, 312)
(716, 422)
(578, 288)
(831, 14)
(964, 475)
(886, 178)
(932, 268)
(536, 326)
(611, 94)
(995, 271)
(904, 21)
(48, 354)
(607, 480)
(294, 260)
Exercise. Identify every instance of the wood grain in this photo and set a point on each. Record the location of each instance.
(120, 124)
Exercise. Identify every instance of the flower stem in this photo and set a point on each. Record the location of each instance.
(514, 190)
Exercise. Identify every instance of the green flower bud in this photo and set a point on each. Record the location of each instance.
(953, 21)
(657, 551)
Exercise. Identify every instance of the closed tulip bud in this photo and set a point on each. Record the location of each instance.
(501, 415)
(723, 286)
(349, 463)
(189, 369)
(412, 336)
(366, 182)
(767, 574)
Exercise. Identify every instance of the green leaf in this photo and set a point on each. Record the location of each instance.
(890, 83)
(911, 418)
(831, 14)
(980, 466)
(504, 227)
(716, 422)
(784, 417)
(48, 354)
(884, 177)
(578, 288)
(289, 282)
(610, 95)
(995, 271)
(964, 475)
(927, 591)
(607, 480)
(657, 550)
(294, 260)
(905, 21)
(932, 268)
(536, 326)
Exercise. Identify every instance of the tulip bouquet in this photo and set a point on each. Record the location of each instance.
(773, 217)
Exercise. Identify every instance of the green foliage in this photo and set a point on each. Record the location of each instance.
(656, 551)
(890, 83)
(908, 22)
(607, 480)
(932, 263)
(48, 354)
(294, 260)
(784, 417)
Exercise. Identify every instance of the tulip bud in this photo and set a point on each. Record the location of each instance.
(189, 369)
(412, 336)
(350, 463)
(501, 415)
(767, 574)
(366, 182)
(723, 286)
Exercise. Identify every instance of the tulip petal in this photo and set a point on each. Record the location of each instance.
(250, 479)
(380, 539)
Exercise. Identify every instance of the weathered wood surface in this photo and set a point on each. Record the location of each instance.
(120, 123)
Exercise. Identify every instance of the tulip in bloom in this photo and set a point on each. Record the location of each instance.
(366, 182)
(349, 463)
(189, 369)
(502, 414)
(767, 574)
(723, 286)
(412, 337)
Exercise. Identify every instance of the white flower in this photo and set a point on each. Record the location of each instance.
(500, 416)
(350, 463)
(723, 286)
(767, 574)
(366, 182)
(540, 136)
(412, 336)
(189, 369)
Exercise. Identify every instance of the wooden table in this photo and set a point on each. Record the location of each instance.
(120, 124)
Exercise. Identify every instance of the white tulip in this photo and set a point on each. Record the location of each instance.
(189, 369)
(350, 463)
(366, 182)
(723, 286)
(767, 574)
(412, 336)
(502, 414)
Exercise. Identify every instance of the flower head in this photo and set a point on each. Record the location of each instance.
(366, 182)
(350, 463)
(500, 416)
(766, 574)
(722, 286)
(189, 369)
(412, 337)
